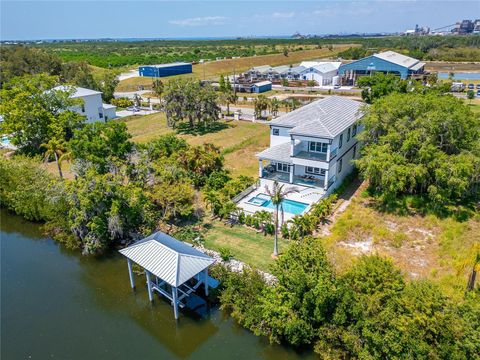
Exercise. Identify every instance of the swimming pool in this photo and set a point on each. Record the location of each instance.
(289, 206)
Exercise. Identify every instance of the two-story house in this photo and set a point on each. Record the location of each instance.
(91, 105)
(312, 149)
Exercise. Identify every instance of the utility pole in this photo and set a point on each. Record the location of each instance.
(234, 80)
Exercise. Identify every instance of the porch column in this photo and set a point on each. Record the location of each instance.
(205, 279)
(130, 274)
(260, 168)
(292, 147)
(175, 301)
(291, 169)
(149, 286)
(329, 147)
(326, 178)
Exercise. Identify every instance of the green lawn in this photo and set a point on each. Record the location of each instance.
(246, 244)
(239, 140)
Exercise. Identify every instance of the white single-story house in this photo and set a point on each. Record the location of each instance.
(92, 106)
(311, 149)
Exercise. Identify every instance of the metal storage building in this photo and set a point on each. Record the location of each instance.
(387, 62)
(163, 70)
(261, 87)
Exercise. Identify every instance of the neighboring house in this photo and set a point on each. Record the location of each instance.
(312, 149)
(388, 62)
(92, 106)
(324, 73)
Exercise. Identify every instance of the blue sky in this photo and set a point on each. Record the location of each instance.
(23, 20)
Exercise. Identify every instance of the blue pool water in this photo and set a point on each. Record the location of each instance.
(4, 141)
(289, 206)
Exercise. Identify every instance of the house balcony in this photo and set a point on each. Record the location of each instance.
(307, 181)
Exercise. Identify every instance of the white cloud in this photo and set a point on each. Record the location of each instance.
(200, 21)
(283, 15)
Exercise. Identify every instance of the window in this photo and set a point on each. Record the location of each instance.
(318, 147)
(276, 132)
(354, 151)
(315, 171)
(354, 130)
(100, 115)
(83, 108)
(282, 167)
(340, 141)
(340, 166)
(348, 135)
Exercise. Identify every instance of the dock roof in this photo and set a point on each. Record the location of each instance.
(169, 259)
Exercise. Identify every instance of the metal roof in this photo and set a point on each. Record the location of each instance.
(325, 118)
(279, 152)
(167, 258)
(108, 106)
(297, 69)
(261, 69)
(167, 65)
(397, 58)
(77, 91)
(282, 69)
(262, 83)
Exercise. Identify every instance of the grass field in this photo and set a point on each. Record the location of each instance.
(213, 69)
(422, 246)
(245, 244)
(238, 140)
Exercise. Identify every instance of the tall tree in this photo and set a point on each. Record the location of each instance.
(158, 88)
(56, 148)
(277, 194)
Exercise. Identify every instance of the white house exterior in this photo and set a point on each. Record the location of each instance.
(324, 73)
(92, 106)
(311, 149)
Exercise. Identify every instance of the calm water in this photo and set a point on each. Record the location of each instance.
(460, 76)
(56, 304)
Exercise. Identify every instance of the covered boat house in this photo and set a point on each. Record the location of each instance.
(169, 265)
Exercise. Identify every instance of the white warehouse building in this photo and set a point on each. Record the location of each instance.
(92, 107)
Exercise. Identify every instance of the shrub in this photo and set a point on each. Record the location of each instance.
(225, 253)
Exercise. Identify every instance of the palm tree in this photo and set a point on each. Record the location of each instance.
(274, 105)
(277, 194)
(56, 148)
(264, 218)
(157, 87)
(472, 263)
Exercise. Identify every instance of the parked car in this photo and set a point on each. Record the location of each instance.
(471, 86)
(478, 86)
(478, 92)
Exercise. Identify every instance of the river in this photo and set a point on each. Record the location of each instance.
(58, 304)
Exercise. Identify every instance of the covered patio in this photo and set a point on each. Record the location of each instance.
(169, 265)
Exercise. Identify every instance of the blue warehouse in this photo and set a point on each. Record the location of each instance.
(163, 70)
(388, 62)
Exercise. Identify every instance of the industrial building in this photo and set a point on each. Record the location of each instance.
(388, 62)
(261, 87)
(163, 70)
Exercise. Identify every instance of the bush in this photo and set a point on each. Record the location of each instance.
(225, 253)
(122, 102)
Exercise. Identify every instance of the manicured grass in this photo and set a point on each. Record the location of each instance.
(246, 244)
(422, 246)
(239, 140)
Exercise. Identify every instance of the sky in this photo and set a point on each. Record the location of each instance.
(29, 20)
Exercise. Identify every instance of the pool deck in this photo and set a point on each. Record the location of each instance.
(305, 194)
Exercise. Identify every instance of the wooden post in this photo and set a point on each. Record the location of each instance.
(130, 273)
(175, 301)
(149, 286)
(205, 273)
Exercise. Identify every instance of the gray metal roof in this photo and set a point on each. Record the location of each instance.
(277, 153)
(262, 83)
(297, 69)
(261, 69)
(282, 69)
(168, 65)
(397, 58)
(171, 260)
(77, 91)
(324, 118)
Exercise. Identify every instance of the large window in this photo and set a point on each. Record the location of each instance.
(318, 147)
(282, 167)
(340, 166)
(348, 135)
(354, 151)
(354, 130)
(340, 141)
(315, 171)
(276, 132)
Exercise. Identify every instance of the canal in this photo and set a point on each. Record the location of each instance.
(57, 304)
